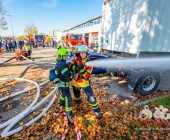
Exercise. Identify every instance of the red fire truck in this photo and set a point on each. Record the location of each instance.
(73, 39)
(37, 38)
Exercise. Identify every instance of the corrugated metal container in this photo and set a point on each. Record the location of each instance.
(136, 25)
(156, 34)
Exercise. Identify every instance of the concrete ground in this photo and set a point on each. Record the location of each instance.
(117, 88)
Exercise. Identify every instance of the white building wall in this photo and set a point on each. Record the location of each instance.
(55, 34)
(122, 25)
(58, 35)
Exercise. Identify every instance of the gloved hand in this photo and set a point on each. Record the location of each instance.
(79, 66)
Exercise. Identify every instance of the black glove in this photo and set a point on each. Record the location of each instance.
(79, 66)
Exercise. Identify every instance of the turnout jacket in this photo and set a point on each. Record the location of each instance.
(81, 77)
(62, 72)
(27, 47)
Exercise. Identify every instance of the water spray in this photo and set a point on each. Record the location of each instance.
(163, 62)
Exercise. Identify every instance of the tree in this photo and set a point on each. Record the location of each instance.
(3, 23)
(30, 29)
(48, 38)
(20, 37)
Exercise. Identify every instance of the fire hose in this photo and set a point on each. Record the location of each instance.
(20, 92)
(30, 108)
(7, 131)
(12, 77)
(77, 130)
(6, 60)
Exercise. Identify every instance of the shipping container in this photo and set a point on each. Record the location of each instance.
(136, 26)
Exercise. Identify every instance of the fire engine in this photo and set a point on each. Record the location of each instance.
(36, 37)
(72, 39)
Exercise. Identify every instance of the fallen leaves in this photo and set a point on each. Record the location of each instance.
(120, 119)
(156, 94)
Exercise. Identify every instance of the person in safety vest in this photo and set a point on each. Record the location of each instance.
(59, 45)
(27, 48)
(63, 75)
(81, 80)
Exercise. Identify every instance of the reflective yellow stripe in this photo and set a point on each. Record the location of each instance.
(94, 104)
(64, 70)
(74, 67)
(85, 83)
(89, 71)
(56, 72)
(61, 98)
(65, 84)
(55, 80)
(67, 108)
(82, 70)
(84, 75)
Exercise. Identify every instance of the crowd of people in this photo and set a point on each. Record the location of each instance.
(53, 44)
(8, 45)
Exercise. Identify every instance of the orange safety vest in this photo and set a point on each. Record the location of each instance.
(82, 80)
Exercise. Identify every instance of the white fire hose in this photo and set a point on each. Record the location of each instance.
(31, 107)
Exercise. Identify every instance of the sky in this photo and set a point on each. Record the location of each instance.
(48, 14)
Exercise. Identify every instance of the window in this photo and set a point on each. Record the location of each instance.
(98, 21)
(88, 24)
(76, 37)
(39, 37)
(94, 22)
(95, 38)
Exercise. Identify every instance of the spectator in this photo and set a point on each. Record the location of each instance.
(20, 44)
(0, 45)
(13, 45)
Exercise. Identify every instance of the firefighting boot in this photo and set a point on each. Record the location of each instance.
(99, 115)
(70, 117)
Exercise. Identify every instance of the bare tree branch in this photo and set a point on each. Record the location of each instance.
(3, 23)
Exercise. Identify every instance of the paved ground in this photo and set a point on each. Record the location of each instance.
(117, 88)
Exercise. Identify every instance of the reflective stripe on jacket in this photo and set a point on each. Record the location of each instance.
(63, 73)
(83, 75)
(27, 47)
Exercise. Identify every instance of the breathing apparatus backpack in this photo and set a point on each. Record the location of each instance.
(53, 76)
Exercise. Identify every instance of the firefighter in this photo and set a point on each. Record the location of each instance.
(59, 45)
(0, 46)
(81, 80)
(64, 75)
(27, 48)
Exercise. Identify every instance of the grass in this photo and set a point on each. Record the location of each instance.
(164, 101)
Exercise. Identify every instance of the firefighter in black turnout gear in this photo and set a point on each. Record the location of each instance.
(63, 75)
